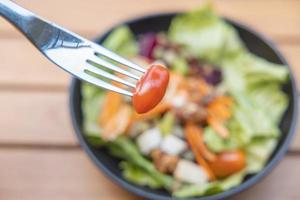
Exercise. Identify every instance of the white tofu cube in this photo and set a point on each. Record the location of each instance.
(149, 140)
(173, 145)
(190, 172)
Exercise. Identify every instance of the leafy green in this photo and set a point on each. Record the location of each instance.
(124, 148)
(166, 124)
(258, 152)
(217, 144)
(205, 35)
(91, 105)
(180, 66)
(196, 189)
(138, 176)
(122, 41)
(210, 187)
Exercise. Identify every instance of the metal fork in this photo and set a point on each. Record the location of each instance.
(70, 51)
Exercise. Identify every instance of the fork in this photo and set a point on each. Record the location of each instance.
(72, 52)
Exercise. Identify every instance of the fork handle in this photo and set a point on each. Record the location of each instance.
(16, 15)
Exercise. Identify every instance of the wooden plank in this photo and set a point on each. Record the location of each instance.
(35, 118)
(54, 175)
(24, 66)
(94, 16)
(63, 175)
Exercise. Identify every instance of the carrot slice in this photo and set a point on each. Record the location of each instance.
(118, 123)
(225, 100)
(111, 105)
(199, 141)
(190, 136)
(159, 109)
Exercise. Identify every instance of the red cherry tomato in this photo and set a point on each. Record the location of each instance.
(228, 163)
(151, 88)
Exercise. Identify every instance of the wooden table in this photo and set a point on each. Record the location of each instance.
(39, 155)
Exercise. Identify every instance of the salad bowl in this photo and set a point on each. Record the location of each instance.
(256, 44)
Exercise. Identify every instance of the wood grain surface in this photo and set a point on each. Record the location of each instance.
(39, 154)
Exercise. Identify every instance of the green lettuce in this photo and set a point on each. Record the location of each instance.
(167, 122)
(210, 188)
(258, 153)
(205, 35)
(92, 99)
(180, 66)
(138, 176)
(122, 41)
(127, 150)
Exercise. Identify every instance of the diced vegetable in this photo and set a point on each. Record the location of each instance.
(228, 163)
(138, 127)
(147, 43)
(149, 140)
(173, 145)
(189, 172)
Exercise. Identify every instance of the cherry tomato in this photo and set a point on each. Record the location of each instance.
(228, 163)
(151, 88)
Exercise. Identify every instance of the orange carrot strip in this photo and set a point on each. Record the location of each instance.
(118, 123)
(228, 101)
(218, 127)
(219, 111)
(191, 140)
(198, 136)
(111, 105)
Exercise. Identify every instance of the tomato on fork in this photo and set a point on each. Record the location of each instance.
(151, 88)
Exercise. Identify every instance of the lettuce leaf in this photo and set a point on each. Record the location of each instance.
(205, 35)
(127, 150)
(138, 176)
(210, 188)
(92, 98)
(258, 153)
(196, 190)
(122, 41)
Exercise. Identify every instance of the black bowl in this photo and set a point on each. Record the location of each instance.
(160, 22)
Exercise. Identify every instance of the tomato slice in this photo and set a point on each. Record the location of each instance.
(228, 162)
(151, 88)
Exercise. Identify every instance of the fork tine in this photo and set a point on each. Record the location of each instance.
(103, 84)
(105, 52)
(91, 68)
(108, 65)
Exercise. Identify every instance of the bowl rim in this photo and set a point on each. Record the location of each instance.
(242, 187)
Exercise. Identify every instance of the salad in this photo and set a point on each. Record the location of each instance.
(218, 121)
